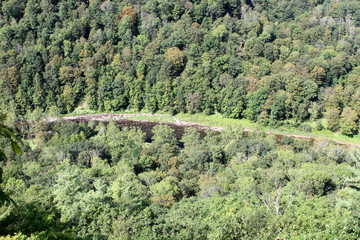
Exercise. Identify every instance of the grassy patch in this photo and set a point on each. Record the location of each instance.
(79, 111)
(218, 120)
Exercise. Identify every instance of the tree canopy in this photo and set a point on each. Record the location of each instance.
(184, 56)
(96, 181)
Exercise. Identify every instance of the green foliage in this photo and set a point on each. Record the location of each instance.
(197, 56)
(319, 126)
(100, 182)
(7, 133)
(332, 118)
(348, 122)
(273, 62)
(255, 103)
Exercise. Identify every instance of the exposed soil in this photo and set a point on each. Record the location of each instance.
(145, 125)
(178, 126)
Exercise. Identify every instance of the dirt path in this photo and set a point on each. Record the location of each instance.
(106, 117)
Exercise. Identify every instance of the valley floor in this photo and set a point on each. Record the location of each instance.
(213, 122)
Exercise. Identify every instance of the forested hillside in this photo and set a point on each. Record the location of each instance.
(78, 181)
(276, 62)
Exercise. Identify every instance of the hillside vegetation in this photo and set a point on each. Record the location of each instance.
(280, 64)
(275, 62)
(78, 181)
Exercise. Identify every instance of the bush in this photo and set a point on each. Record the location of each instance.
(287, 140)
(305, 128)
(172, 111)
(319, 126)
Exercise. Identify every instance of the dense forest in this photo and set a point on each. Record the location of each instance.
(92, 181)
(275, 62)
